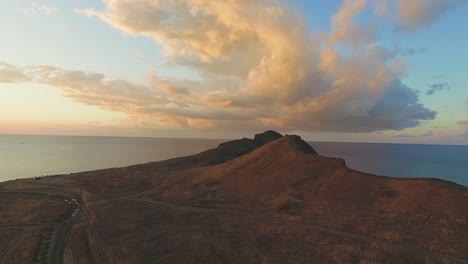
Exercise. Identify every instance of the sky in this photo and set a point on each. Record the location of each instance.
(340, 70)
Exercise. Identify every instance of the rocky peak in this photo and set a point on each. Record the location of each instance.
(302, 145)
(266, 137)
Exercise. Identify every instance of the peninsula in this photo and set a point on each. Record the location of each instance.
(270, 199)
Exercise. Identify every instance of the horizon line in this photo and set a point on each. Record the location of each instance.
(205, 138)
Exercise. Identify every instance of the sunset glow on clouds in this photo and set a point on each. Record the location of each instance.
(256, 65)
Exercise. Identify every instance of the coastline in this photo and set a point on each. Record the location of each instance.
(64, 156)
(273, 192)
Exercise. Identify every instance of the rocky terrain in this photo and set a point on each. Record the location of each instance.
(271, 199)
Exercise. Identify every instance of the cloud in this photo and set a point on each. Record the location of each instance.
(429, 133)
(38, 8)
(167, 103)
(408, 15)
(258, 67)
(159, 103)
(11, 74)
(436, 87)
(345, 30)
(410, 52)
(167, 86)
(415, 14)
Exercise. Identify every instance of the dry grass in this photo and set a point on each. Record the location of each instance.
(269, 204)
(8, 234)
(30, 208)
(24, 251)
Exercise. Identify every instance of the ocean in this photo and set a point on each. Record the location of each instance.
(29, 156)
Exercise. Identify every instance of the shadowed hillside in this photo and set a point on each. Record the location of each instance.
(271, 199)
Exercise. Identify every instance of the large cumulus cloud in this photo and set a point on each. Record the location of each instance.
(258, 67)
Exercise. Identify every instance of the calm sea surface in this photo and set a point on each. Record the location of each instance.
(402, 160)
(29, 156)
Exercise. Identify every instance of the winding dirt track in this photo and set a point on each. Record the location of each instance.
(53, 234)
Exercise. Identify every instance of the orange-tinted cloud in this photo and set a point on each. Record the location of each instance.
(423, 13)
(258, 67)
(344, 28)
(11, 74)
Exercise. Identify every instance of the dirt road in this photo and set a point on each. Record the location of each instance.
(53, 235)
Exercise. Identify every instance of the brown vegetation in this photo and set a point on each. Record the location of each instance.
(267, 200)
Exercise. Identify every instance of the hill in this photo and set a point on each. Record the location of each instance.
(271, 199)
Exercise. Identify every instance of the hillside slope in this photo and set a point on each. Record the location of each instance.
(271, 199)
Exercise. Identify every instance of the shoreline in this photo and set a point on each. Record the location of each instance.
(275, 193)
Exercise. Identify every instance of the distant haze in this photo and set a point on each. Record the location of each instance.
(29, 156)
